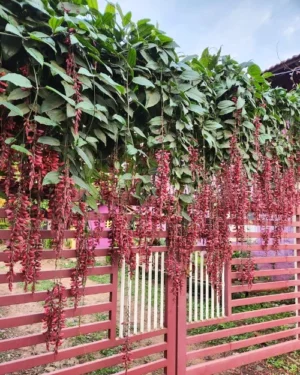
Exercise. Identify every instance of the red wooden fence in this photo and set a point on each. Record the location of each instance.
(257, 325)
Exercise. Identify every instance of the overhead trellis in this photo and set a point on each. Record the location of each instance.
(93, 102)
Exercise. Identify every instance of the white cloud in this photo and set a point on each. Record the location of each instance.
(289, 31)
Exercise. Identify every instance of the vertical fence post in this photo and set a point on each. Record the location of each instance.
(297, 264)
(181, 348)
(113, 298)
(228, 295)
(170, 324)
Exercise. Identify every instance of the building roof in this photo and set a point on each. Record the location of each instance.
(284, 76)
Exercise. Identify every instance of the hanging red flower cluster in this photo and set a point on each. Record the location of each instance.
(31, 260)
(17, 212)
(85, 255)
(54, 319)
(60, 210)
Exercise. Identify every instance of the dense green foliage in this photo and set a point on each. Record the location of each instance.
(137, 94)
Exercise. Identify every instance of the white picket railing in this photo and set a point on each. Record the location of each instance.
(141, 297)
(203, 301)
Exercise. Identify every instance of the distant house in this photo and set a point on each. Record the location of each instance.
(286, 73)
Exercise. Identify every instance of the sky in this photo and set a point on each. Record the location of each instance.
(263, 31)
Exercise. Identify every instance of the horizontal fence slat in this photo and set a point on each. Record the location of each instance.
(235, 345)
(22, 298)
(22, 320)
(244, 315)
(146, 369)
(264, 286)
(65, 254)
(261, 273)
(110, 361)
(57, 274)
(223, 364)
(209, 336)
(63, 354)
(267, 259)
(34, 339)
(262, 299)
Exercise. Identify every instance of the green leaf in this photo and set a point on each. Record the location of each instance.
(35, 54)
(78, 181)
(15, 111)
(120, 119)
(142, 81)
(131, 59)
(152, 98)
(240, 103)
(186, 198)
(17, 80)
(45, 121)
(110, 8)
(68, 100)
(100, 135)
(55, 22)
(18, 94)
(93, 4)
(227, 110)
(13, 30)
(225, 104)
(209, 138)
(85, 158)
(139, 132)
(197, 109)
(155, 121)
(190, 75)
(254, 71)
(51, 102)
(212, 125)
(85, 72)
(56, 69)
(248, 125)
(49, 141)
(185, 216)
(69, 89)
(43, 38)
(51, 178)
(92, 202)
(10, 140)
(38, 5)
(21, 149)
(131, 150)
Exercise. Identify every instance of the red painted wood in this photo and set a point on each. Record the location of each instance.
(223, 364)
(66, 254)
(42, 359)
(262, 260)
(113, 297)
(20, 342)
(204, 337)
(262, 299)
(297, 277)
(181, 329)
(261, 273)
(111, 361)
(17, 321)
(235, 345)
(145, 369)
(22, 298)
(265, 286)
(59, 274)
(227, 280)
(244, 315)
(170, 323)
